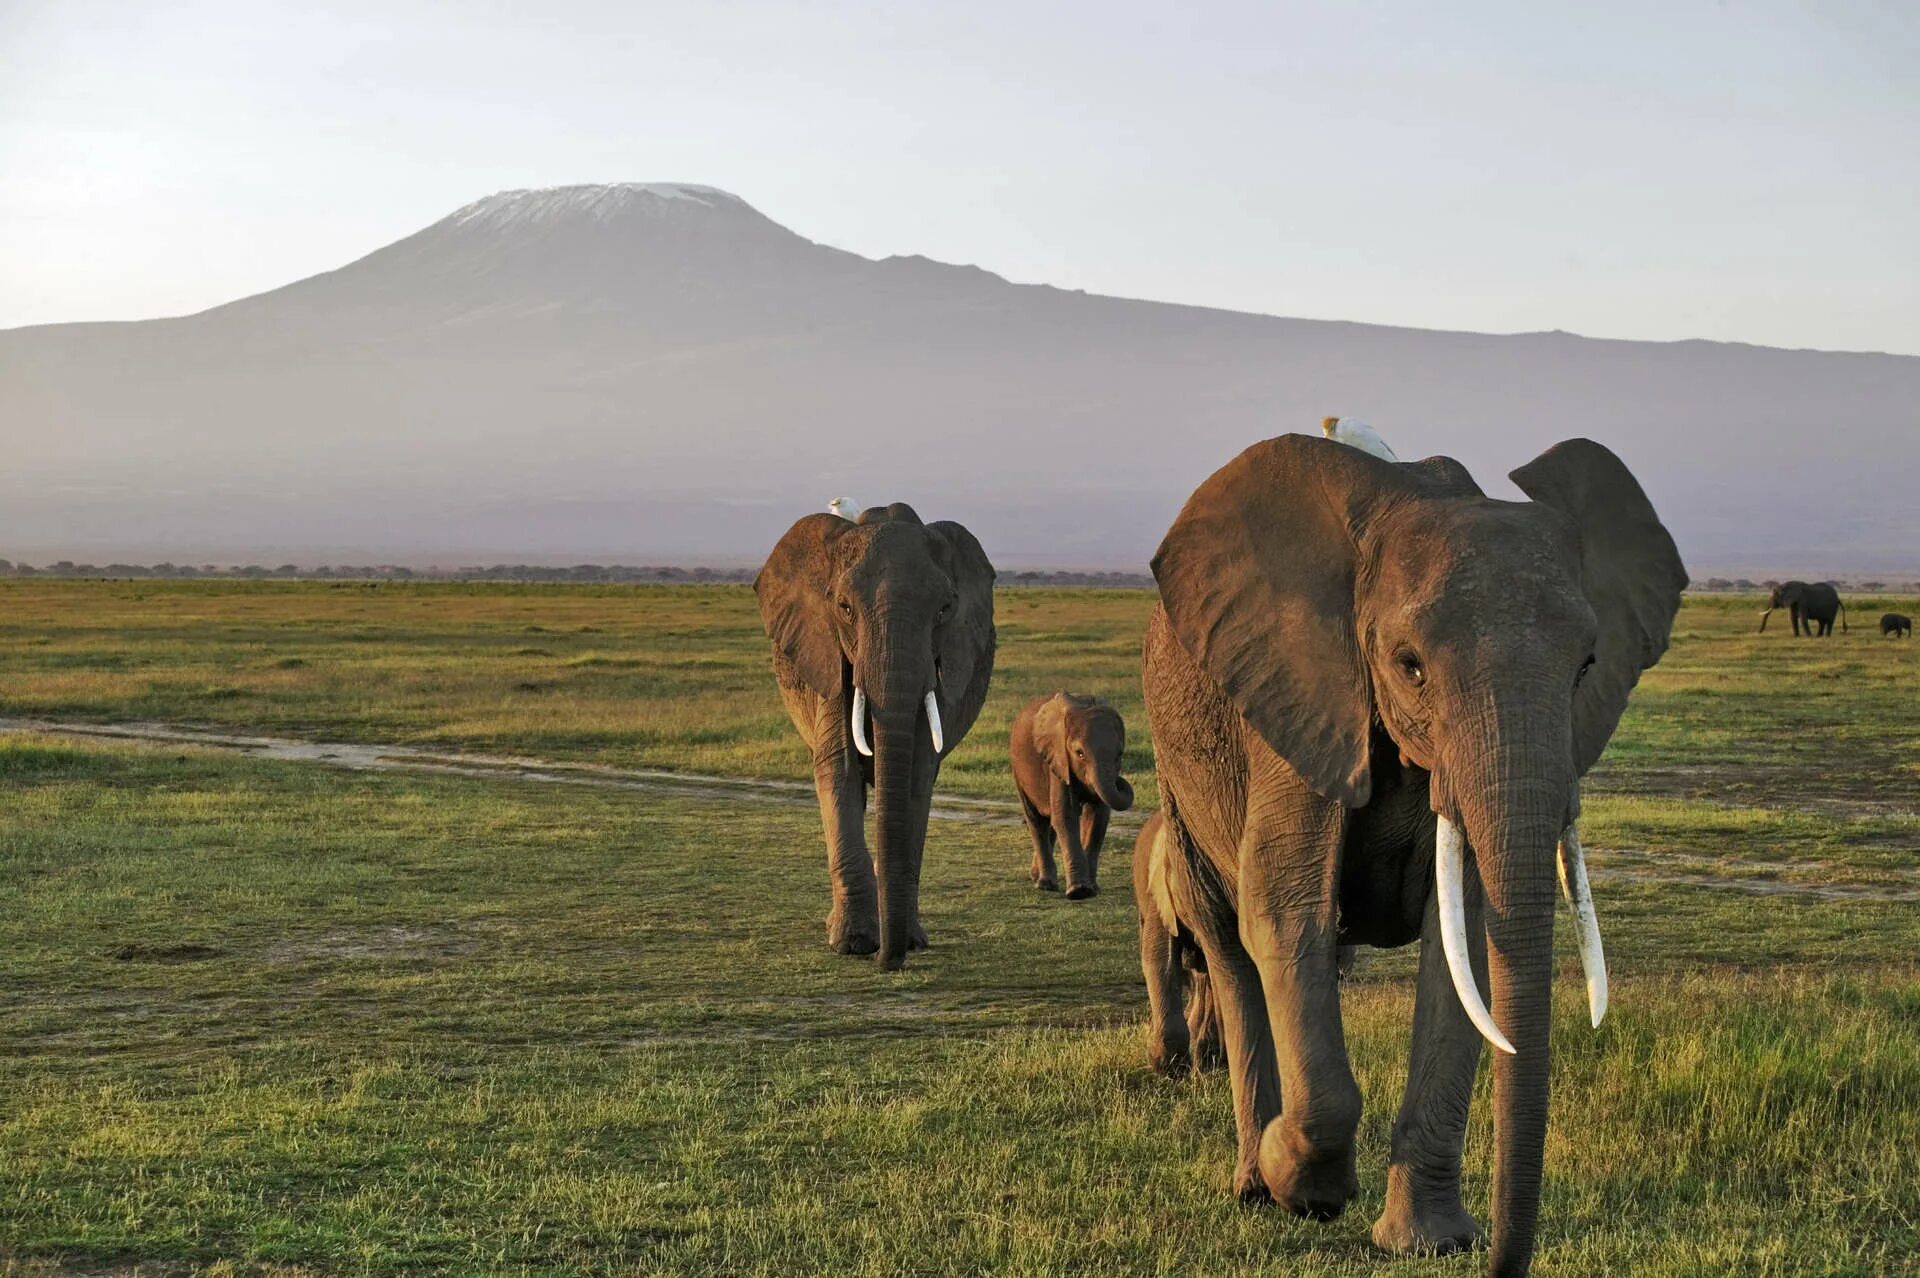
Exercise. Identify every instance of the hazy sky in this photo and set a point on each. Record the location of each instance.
(1739, 170)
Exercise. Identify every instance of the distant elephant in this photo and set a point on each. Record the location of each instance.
(883, 623)
(1808, 604)
(1184, 1024)
(1066, 765)
(1896, 623)
(1374, 692)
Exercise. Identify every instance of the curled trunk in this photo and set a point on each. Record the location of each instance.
(1113, 790)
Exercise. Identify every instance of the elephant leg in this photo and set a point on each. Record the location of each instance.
(1234, 988)
(1203, 1023)
(1423, 1211)
(1289, 876)
(853, 927)
(1040, 829)
(1170, 1052)
(1066, 829)
(1093, 836)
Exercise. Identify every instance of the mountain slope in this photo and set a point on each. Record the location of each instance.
(648, 372)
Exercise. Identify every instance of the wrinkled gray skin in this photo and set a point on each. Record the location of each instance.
(1181, 1015)
(1065, 753)
(899, 608)
(1812, 605)
(1344, 648)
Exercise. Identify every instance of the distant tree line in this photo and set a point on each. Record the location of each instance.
(657, 573)
(594, 573)
(1744, 585)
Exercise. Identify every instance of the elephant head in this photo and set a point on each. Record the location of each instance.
(1083, 739)
(1788, 594)
(891, 619)
(1330, 593)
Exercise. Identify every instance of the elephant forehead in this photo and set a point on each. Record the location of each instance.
(894, 560)
(1481, 560)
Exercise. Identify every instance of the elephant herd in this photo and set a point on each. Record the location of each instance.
(1813, 606)
(1373, 691)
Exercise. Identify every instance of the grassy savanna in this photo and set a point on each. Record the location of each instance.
(1803, 751)
(285, 1016)
(279, 1017)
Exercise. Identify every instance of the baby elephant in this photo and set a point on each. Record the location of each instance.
(1894, 623)
(1066, 763)
(1175, 967)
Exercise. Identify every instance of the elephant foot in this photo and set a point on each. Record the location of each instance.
(917, 938)
(1082, 892)
(1208, 1053)
(1047, 885)
(1170, 1058)
(847, 935)
(1250, 1187)
(1316, 1183)
(1439, 1226)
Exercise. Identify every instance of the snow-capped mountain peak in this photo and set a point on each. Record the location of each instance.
(597, 202)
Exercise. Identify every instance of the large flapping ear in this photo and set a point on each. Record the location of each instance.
(1257, 577)
(1629, 567)
(792, 589)
(965, 639)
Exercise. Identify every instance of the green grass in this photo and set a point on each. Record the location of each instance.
(275, 1017)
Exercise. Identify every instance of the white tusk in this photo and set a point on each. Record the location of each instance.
(860, 722)
(1573, 886)
(933, 724)
(1449, 870)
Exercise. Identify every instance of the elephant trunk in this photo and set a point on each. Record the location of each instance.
(1113, 789)
(1514, 814)
(899, 829)
(1763, 618)
(896, 685)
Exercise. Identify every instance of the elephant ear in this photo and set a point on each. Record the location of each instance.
(792, 587)
(965, 641)
(1629, 567)
(1257, 578)
(1050, 732)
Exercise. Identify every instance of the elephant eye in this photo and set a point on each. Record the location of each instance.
(946, 610)
(1582, 672)
(846, 610)
(1409, 663)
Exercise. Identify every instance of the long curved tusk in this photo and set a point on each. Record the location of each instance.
(933, 724)
(1573, 885)
(860, 721)
(1449, 872)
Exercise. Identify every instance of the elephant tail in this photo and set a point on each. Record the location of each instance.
(1843, 616)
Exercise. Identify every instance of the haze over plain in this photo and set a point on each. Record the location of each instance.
(1731, 172)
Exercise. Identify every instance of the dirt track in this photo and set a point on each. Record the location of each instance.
(1759, 878)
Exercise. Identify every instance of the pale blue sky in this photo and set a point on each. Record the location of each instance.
(1743, 171)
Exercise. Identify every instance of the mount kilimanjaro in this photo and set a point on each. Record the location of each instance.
(659, 372)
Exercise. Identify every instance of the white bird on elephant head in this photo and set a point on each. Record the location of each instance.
(844, 507)
(1355, 433)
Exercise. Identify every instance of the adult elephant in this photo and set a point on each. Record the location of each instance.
(1809, 604)
(1373, 692)
(882, 632)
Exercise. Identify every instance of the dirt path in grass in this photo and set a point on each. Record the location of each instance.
(1732, 874)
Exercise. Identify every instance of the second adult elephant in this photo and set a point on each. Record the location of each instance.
(883, 643)
(1813, 605)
